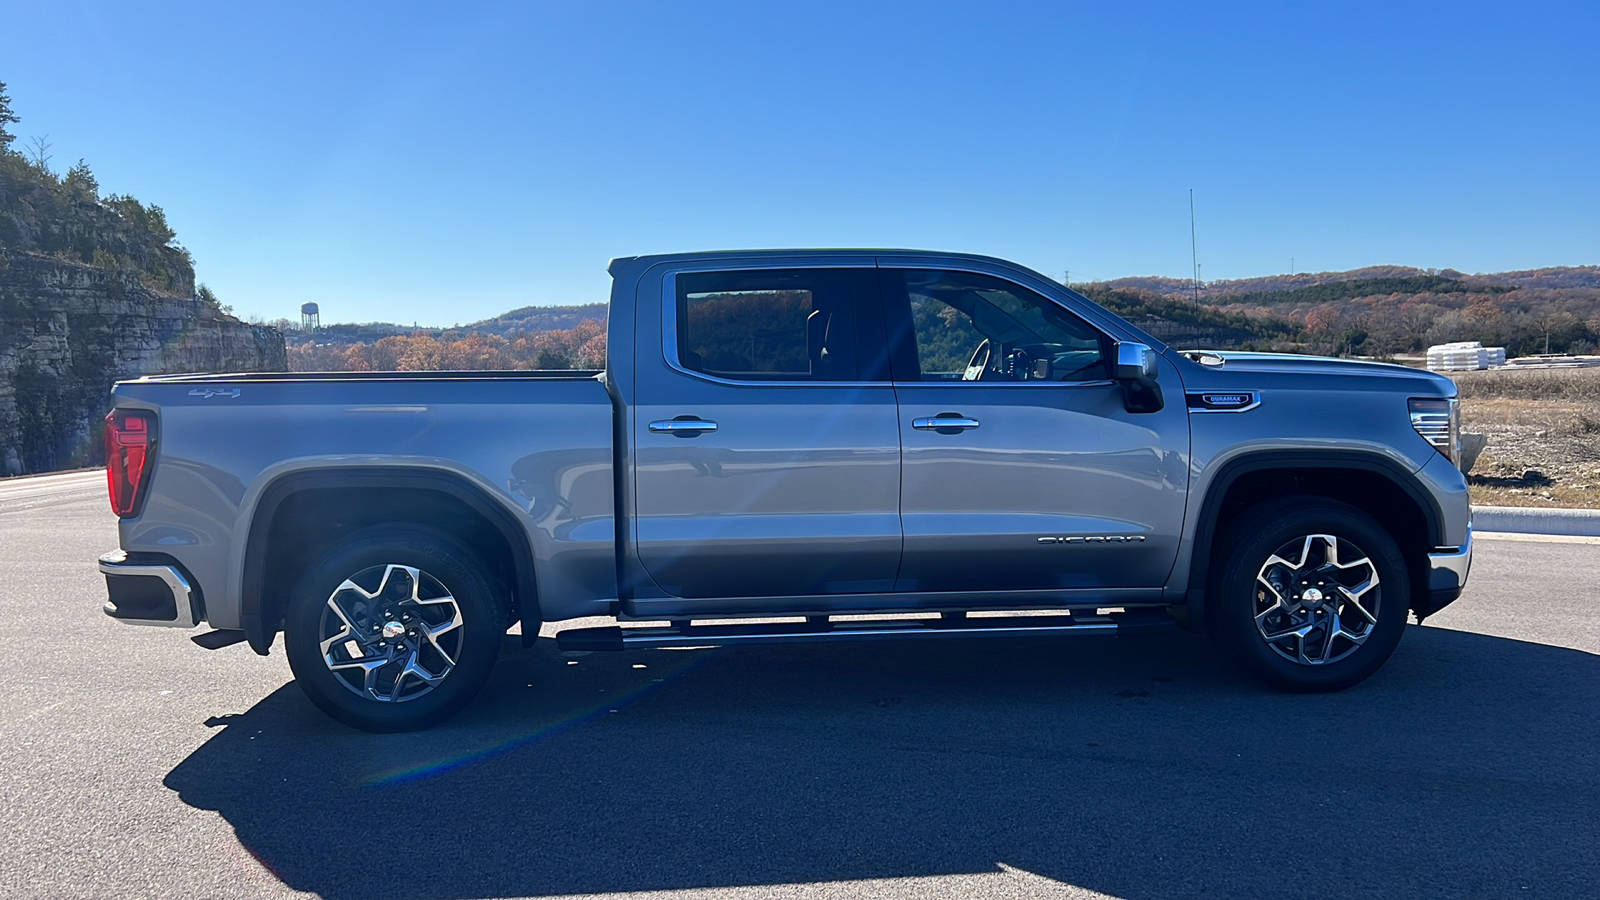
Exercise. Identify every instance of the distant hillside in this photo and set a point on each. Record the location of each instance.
(1330, 291)
(516, 323)
(1190, 325)
(1553, 277)
(1557, 277)
(1211, 290)
(1384, 310)
(539, 318)
(1385, 316)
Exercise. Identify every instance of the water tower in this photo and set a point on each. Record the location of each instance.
(309, 320)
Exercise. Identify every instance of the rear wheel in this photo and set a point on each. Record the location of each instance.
(395, 629)
(1313, 595)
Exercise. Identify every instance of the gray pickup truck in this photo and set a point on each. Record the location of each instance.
(793, 446)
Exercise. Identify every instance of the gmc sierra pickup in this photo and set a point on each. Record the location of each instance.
(802, 436)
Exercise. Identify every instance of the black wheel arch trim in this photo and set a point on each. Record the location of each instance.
(1232, 470)
(260, 633)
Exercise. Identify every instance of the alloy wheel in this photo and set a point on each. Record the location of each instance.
(1316, 599)
(391, 633)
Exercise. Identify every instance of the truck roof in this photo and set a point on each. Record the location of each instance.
(651, 259)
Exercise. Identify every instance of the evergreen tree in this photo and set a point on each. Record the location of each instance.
(81, 184)
(7, 117)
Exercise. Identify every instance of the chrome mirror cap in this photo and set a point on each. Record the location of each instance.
(1135, 362)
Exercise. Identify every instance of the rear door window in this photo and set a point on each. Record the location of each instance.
(818, 325)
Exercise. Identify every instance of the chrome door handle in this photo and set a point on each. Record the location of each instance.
(939, 423)
(687, 427)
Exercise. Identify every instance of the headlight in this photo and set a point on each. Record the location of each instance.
(1439, 423)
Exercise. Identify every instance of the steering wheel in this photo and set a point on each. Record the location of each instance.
(1018, 365)
(979, 363)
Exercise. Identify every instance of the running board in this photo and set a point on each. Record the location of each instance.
(819, 628)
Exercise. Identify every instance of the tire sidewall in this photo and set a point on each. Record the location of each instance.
(461, 573)
(1232, 614)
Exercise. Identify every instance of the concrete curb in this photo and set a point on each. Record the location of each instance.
(1530, 520)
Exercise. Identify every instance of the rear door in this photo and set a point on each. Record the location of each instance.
(765, 432)
(1022, 468)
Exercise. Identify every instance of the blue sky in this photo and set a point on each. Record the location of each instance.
(444, 163)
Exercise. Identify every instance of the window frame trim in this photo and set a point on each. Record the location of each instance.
(669, 316)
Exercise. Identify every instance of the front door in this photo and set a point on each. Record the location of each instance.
(1022, 468)
(765, 437)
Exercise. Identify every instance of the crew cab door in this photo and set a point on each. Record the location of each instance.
(1022, 468)
(767, 454)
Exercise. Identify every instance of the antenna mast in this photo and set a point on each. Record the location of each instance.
(1194, 251)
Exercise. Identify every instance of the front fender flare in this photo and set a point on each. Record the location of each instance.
(1232, 470)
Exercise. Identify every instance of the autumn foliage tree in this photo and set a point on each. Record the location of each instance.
(582, 347)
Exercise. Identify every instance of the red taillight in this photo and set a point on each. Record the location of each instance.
(130, 443)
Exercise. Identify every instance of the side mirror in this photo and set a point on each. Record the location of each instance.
(1136, 362)
(1135, 366)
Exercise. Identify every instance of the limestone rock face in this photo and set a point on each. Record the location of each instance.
(69, 330)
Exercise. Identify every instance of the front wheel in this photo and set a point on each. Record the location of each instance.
(1313, 595)
(395, 629)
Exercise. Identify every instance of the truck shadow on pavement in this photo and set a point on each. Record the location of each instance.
(1139, 768)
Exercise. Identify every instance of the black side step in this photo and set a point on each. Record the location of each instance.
(819, 628)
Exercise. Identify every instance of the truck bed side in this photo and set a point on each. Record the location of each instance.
(536, 445)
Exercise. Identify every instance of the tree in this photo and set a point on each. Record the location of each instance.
(81, 183)
(39, 153)
(7, 117)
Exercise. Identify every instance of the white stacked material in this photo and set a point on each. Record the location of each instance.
(1464, 356)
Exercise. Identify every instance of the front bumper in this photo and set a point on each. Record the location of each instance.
(1447, 575)
(149, 590)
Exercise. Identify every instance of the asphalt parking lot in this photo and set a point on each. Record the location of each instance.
(135, 764)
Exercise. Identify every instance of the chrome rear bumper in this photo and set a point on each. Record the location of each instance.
(147, 592)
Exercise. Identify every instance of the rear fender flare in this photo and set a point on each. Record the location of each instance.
(253, 619)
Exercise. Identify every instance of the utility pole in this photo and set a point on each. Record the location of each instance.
(1194, 248)
(1291, 265)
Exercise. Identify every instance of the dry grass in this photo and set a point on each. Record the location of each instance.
(1544, 436)
(1530, 384)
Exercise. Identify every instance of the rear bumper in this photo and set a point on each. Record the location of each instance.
(1447, 575)
(149, 590)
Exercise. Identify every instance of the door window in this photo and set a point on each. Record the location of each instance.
(972, 327)
(779, 325)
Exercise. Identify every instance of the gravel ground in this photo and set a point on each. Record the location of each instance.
(1544, 437)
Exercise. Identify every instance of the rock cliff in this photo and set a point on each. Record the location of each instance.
(68, 330)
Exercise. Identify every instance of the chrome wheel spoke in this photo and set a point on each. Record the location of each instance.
(1330, 630)
(348, 630)
(1296, 632)
(1353, 598)
(1352, 636)
(367, 663)
(434, 633)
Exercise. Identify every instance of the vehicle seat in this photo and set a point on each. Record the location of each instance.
(824, 366)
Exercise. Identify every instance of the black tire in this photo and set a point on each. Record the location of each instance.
(1237, 597)
(373, 557)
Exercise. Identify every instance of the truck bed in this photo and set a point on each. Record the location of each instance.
(536, 443)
